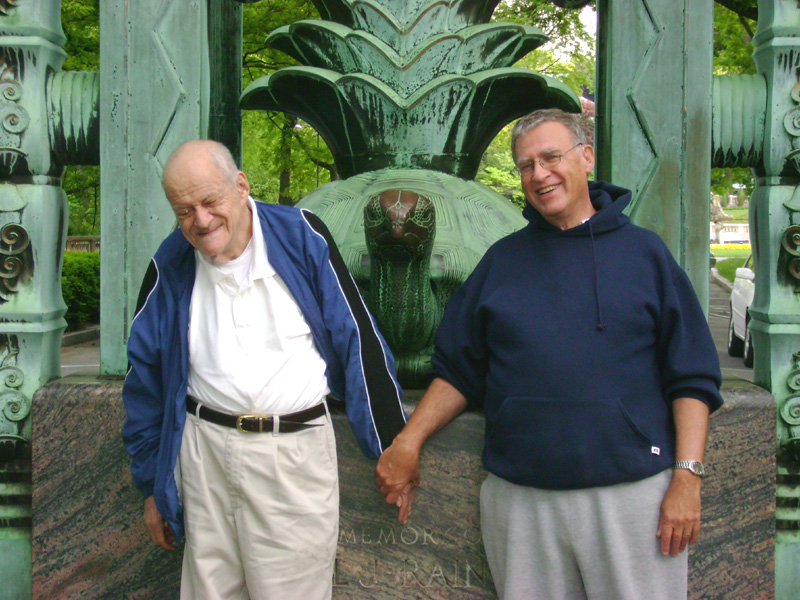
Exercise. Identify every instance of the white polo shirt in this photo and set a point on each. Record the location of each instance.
(250, 348)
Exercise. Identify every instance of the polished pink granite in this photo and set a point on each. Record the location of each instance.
(89, 540)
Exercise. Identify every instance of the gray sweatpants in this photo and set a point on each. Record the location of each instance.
(589, 544)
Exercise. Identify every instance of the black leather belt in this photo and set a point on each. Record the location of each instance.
(257, 423)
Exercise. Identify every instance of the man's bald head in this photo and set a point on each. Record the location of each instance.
(209, 195)
(200, 154)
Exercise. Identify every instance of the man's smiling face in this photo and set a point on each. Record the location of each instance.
(561, 193)
(211, 206)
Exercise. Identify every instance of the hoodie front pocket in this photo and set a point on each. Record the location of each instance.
(565, 443)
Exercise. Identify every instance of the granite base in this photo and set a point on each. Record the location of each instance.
(89, 540)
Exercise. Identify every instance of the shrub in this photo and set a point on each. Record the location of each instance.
(80, 286)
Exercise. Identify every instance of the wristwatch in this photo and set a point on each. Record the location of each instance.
(695, 466)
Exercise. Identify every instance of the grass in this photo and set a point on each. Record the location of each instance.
(727, 268)
(731, 250)
(737, 215)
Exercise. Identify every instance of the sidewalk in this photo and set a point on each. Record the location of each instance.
(80, 352)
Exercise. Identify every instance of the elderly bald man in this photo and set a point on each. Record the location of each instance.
(247, 320)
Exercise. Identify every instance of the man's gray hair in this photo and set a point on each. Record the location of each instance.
(572, 121)
(218, 153)
(224, 161)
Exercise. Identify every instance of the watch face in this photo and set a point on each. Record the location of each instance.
(695, 466)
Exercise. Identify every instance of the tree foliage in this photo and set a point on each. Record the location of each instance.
(259, 20)
(564, 27)
(284, 157)
(733, 47)
(82, 186)
(80, 21)
(747, 9)
(569, 56)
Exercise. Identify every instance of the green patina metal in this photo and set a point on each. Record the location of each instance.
(225, 61)
(155, 95)
(155, 60)
(738, 120)
(408, 95)
(410, 238)
(48, 119)
(775, 318)
(653, 124)
(757, 124)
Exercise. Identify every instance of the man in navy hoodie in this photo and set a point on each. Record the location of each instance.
(584, 343)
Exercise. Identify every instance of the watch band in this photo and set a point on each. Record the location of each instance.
(695, 466)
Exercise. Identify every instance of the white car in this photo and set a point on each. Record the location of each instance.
(739, 341)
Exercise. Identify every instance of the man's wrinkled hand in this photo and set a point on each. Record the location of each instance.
(159, 530)
(396, 476)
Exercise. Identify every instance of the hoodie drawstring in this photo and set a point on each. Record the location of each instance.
(600, 325)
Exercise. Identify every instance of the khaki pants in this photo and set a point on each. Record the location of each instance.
(261, 512)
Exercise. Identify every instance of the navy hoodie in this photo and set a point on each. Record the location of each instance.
(575, 343)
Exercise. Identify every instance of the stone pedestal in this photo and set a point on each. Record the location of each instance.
(735, 556)
(89, 536)
(89, 540)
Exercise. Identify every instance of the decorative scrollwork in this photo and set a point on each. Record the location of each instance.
(15, 405)
(14, 119)
(793, 381)
(12, 377)
(11, 90)
(14, 240)
(796, 93)
(791, 121)
(794, 268)
(790, 412)
(791, 240)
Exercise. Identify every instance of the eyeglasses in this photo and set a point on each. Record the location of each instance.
(549, 161)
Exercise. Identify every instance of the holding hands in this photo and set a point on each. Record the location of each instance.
(397, 473)
(396, 476)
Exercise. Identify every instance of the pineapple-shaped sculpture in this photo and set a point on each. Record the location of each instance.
(408, 94)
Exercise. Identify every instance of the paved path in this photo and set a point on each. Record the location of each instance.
(719, 314)
(84, 358)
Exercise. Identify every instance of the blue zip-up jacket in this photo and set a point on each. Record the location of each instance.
(360, 366)
(575, 343)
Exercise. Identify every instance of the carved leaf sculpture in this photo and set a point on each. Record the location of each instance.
(408, 94)
(413, 20)
(445, 125)
(339, 48)
(419, 84)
